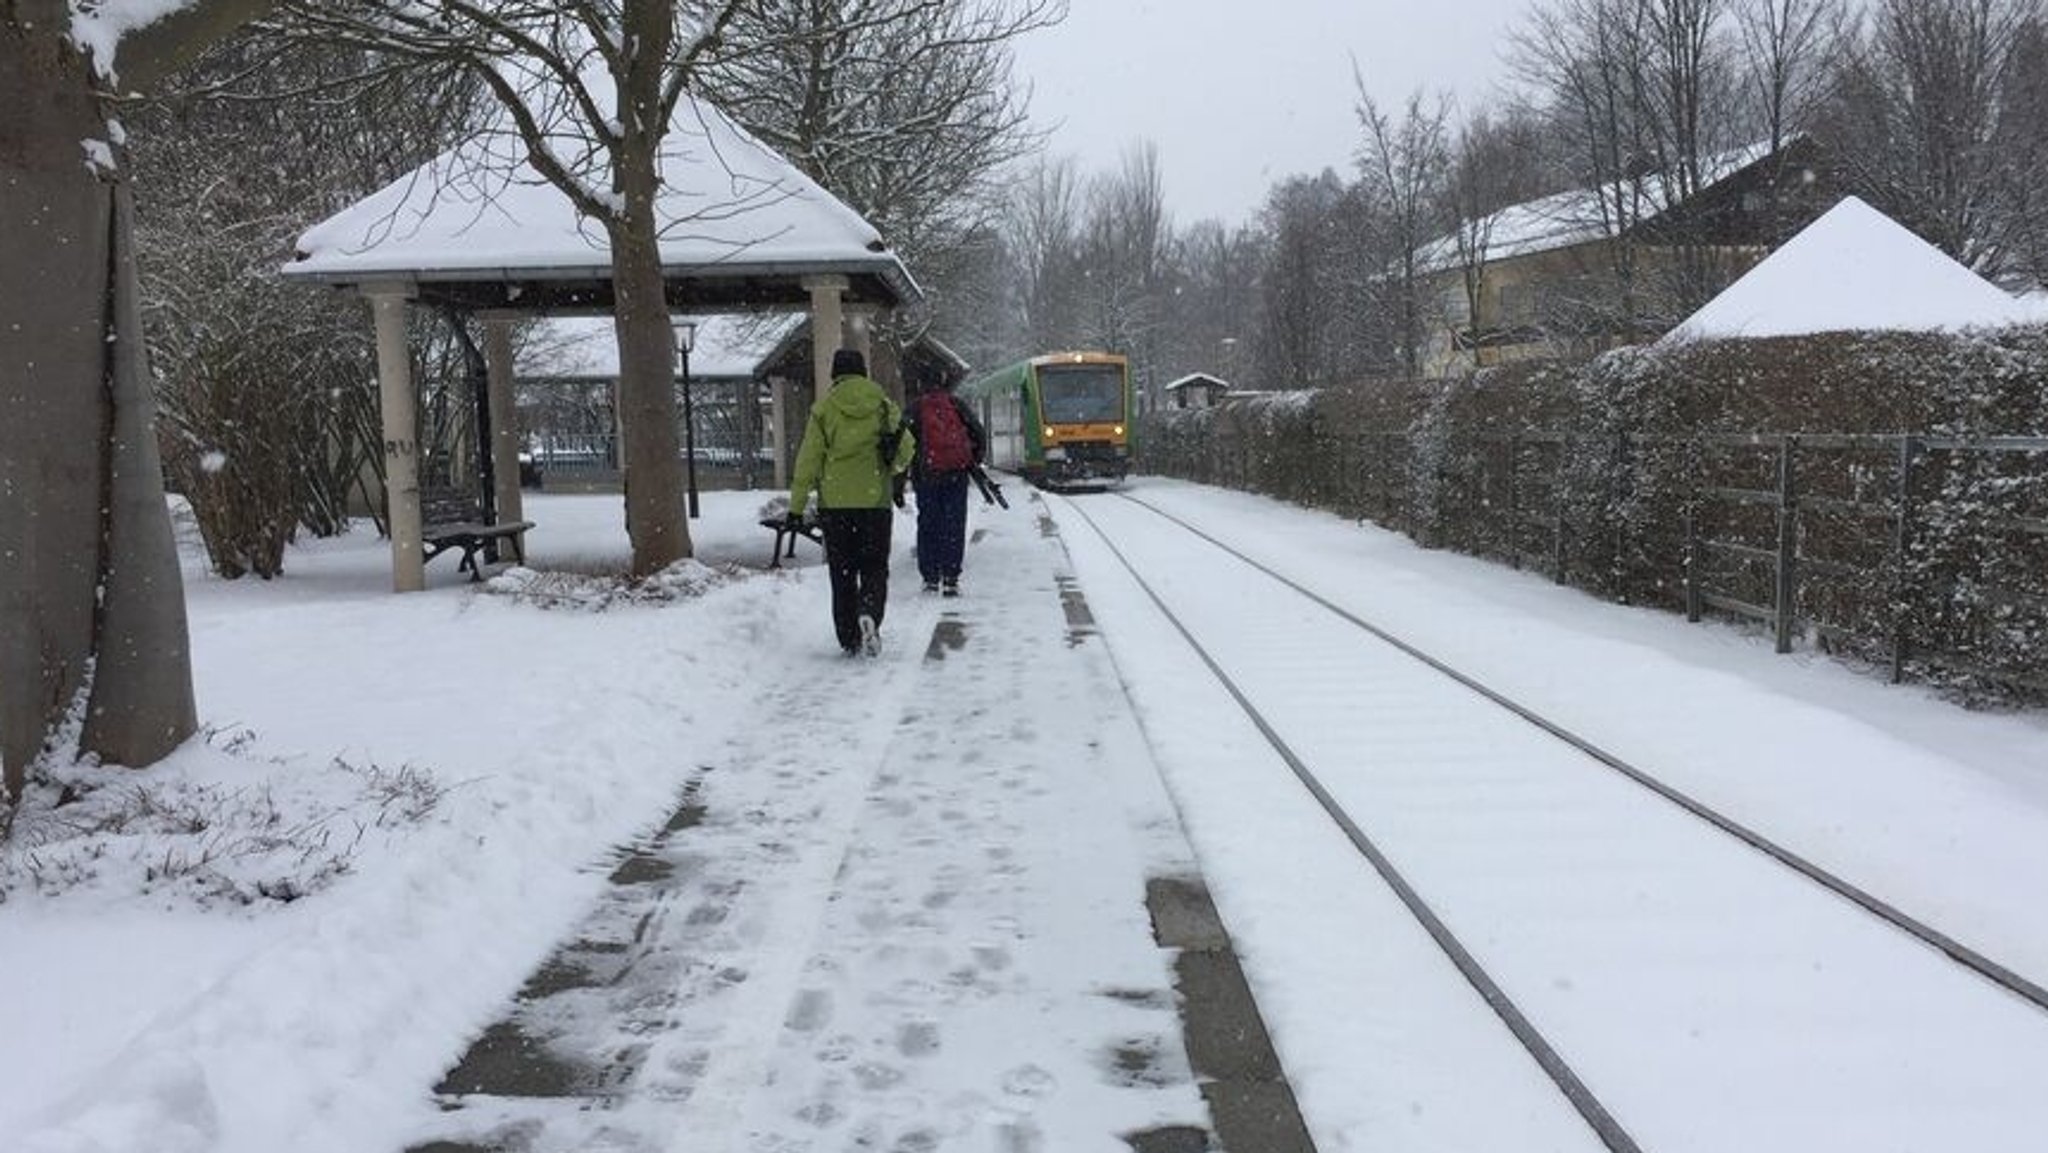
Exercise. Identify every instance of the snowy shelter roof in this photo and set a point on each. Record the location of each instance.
(1580, 215)
(1854, 269)
(729, 346)
(478, 225)
(1197, 380)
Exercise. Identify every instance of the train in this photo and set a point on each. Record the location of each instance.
(1062, 419)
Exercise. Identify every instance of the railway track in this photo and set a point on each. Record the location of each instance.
(1316, 632)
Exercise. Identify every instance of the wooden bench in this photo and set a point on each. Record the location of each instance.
(450, 519)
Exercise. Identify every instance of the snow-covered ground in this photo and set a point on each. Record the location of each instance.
(928, 870)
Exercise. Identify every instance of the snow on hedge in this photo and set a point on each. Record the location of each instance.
(98, 25)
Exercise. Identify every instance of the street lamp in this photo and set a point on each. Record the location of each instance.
(686, 335)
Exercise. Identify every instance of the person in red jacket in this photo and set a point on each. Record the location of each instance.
(950, 442)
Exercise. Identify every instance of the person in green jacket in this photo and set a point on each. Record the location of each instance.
(842, 458)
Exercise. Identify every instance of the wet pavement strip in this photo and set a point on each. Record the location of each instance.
(617, 948)
(1250, 1102)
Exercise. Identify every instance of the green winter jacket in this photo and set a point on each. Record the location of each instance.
(839, 456)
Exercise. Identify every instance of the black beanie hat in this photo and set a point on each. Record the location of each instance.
(848, 362)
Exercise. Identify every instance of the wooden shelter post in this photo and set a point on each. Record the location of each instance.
(828, 326)
(400, 407)
(778, 427)
(504, 445)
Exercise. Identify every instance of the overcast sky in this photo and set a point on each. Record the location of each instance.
(1238, 94)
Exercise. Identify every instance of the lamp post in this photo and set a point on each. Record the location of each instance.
(686, 334)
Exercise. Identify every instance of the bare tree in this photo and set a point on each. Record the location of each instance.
(981, 315)
(1585, 58)
(1043, 237)
(1124, 246)
(2023, 142)
(1215, 271)
(589, 88)
(907, 109)
(1688, 86)
(1496, 162)
(1790, 51)
(1643, 91)
(1403, 167)
(1301, 310)
(92, 612)
(1924, 117)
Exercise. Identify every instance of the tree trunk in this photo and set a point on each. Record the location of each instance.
(647, 396)
(92, 609)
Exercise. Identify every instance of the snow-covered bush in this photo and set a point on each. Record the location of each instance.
(209, 828)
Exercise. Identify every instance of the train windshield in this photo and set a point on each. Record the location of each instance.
(1082, 393)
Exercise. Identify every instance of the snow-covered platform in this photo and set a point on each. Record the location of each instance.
(791, 901)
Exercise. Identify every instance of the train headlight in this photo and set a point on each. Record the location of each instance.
(1048, 432)
(1118, 429)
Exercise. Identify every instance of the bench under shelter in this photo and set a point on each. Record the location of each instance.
(478, 234)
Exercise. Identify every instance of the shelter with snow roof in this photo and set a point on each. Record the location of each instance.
(1543, 278)
(478, 234)
(1854, 270)
(1197, 390)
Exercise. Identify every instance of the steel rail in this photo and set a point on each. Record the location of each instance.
(1553, 1064)
(1999, 975)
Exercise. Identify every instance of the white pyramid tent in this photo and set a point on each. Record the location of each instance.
(1854, 269)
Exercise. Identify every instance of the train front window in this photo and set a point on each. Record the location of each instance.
(1082, 393)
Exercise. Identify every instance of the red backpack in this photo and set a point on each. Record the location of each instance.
(942, 441)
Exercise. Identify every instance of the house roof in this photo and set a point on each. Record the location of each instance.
(731, 346)
(1854, 269)
(737, 222)
(1580, 215)
(1197, 380)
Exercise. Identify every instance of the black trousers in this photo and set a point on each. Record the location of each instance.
(857, 554)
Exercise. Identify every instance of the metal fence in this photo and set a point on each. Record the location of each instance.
(569, 430)
(1905, 544)
(1926, 553)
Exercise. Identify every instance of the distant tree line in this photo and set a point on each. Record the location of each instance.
(1935, 111)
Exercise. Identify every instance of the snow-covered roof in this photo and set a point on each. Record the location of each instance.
(1577, 216)
(1854, 269)
(587, 347)
(1196, 379)
(729, 207)
(731, 346)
